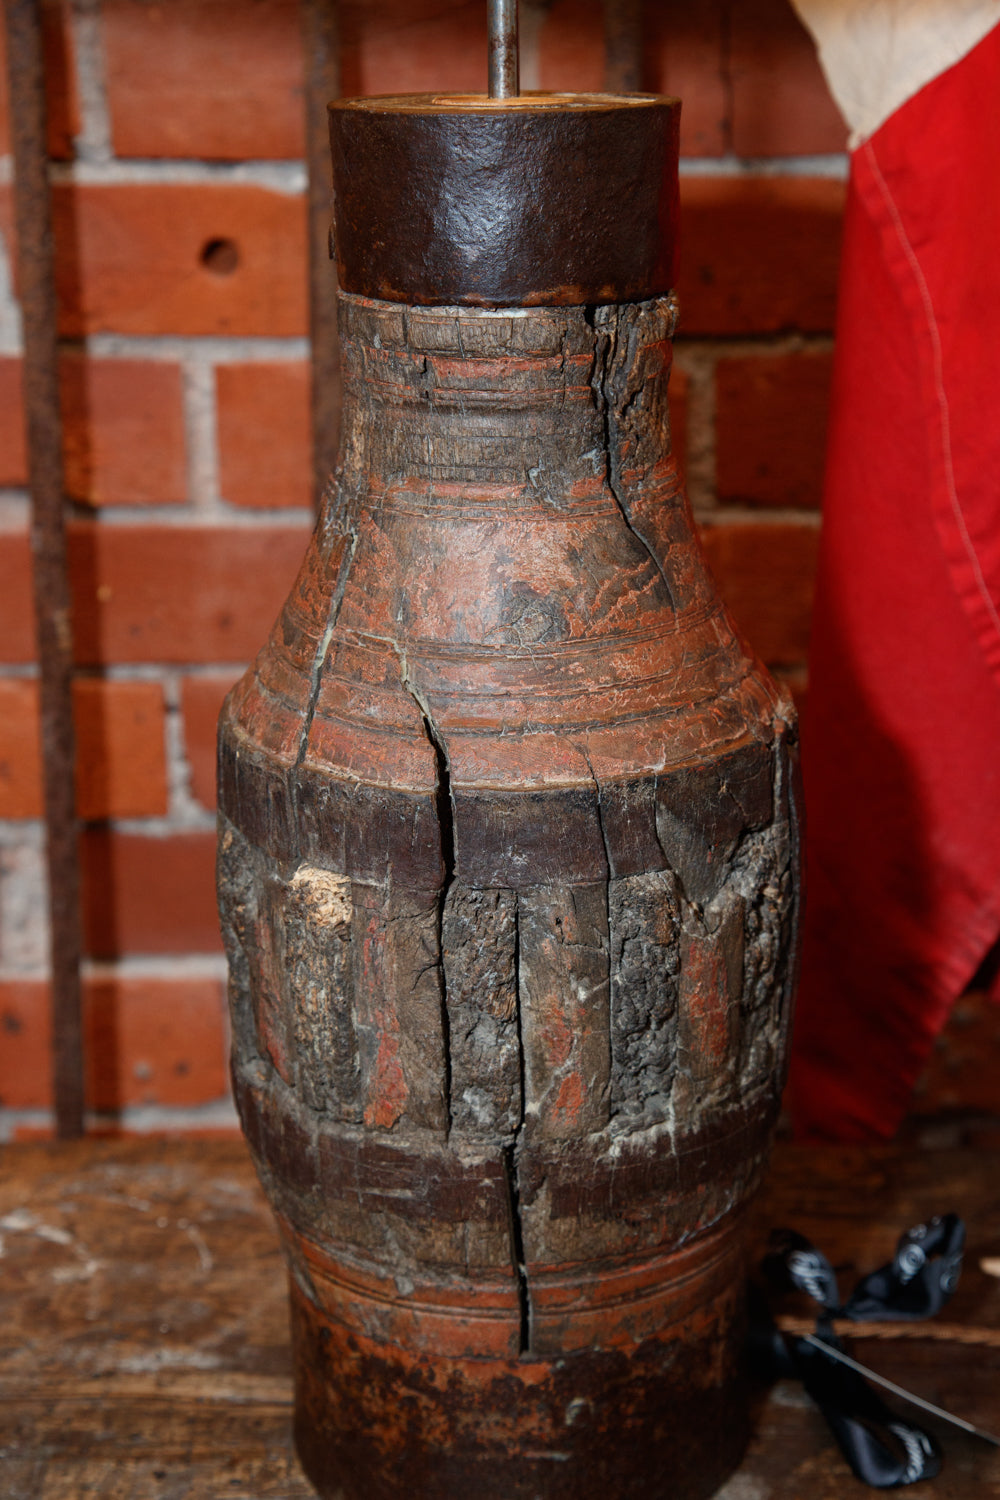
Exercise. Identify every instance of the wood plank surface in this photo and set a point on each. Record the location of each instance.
(144, 1352)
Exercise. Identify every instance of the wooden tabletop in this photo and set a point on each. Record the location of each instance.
(144, 1352)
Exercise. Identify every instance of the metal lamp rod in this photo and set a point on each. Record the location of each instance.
(321, 46)
(504, 82)
(36, 289)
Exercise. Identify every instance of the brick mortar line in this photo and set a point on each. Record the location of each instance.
(24, 929)
(156, 671)
(132, 966)
(701, 492)
(127, 671)
(201, 449)
(220, 349)
(158, 966)
(17, 831)
(93, 140)
(11, 341)
(287, 175)
(216, 513)
(834, 165)
(212, 513)
(224, 517)
(31, 1119)
(191, 819)
(138, 1119)
(213, 348)
(287, 178)
(182, 805)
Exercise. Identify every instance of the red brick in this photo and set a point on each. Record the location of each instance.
(683, 55)
(122, 768)
(147, 1041)
(781, 105)
(61, 97)
(413, 46)
(155, 1041)
(158, 57)
(766, 575)
(770, 428)
(264, 434)
(759, 254)
(179, 593)
(148, 895)
(25, 1050)
(131, 258)
(204, 78)
(13, 458)
(123, 431)
(121, 761)
(20, 776)
(17, 609)
(4, 100)
(571, 47)
(201, 702)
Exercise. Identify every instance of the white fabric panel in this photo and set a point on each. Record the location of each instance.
(877, 53)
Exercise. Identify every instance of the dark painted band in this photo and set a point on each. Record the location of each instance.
(510, 841)
(541, 200)
(313, 1163)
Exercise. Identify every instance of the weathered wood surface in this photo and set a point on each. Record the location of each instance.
(145, 1355)
(145, 1333)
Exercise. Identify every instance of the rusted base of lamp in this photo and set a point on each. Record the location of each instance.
(665, 1416)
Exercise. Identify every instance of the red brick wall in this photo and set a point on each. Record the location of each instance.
(181, 267)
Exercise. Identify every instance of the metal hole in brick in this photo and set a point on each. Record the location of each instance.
(221, 257)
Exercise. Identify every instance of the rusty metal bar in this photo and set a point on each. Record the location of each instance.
(321, 43)
(622, 46)
(36, 290)
(504, 81)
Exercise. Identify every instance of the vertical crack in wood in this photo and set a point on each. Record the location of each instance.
(600, 809)
(444, 807)
(607, 897)
(315, 679)
(509, 1158)
(446, 824)
(509, 1154)
(608, 379)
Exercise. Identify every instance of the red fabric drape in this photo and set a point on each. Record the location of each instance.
(901, 733)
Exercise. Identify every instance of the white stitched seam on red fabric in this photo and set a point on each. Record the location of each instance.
(940, 391)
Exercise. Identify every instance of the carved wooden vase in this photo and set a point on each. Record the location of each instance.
(507, 857)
